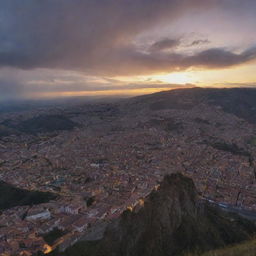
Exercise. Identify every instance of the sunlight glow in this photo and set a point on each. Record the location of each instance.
(176, 78)
(171, 78)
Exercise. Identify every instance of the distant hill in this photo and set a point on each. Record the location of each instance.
(46, 123)
(238, 101)
(38, 124)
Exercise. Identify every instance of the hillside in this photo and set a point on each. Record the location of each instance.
(238, 101)
(243, 249)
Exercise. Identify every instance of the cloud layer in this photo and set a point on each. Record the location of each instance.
(98, 36)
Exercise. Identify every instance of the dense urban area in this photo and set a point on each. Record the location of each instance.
(87, 163)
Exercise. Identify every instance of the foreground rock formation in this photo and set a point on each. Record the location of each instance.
(171, 221)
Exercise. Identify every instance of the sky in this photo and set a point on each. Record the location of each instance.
(57, 48)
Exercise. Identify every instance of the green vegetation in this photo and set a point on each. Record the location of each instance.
(4, 131)
(90, 201)
(11, 196)
(38, 124)
(252, 141)
(46, 123)
(247, 248)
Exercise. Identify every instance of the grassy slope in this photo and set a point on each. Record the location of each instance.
(247, 248)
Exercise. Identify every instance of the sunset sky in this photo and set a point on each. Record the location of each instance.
(52, 48)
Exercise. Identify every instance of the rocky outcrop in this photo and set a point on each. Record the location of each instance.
(172, 221)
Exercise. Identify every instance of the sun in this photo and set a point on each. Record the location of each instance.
(176, 78)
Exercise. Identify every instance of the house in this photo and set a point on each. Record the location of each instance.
(69, 241)
(49, 226)
(66, 223)
(23, 227)
(71, 209)
(80, 225)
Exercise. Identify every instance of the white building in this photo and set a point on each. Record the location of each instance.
(39, 215)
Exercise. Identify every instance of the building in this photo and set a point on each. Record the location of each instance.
(40, 214)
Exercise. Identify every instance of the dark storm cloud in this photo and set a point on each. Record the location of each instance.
(199, 42)
(165, 44)
(218, 58)
(140, 63)
(76, 34)
(96, 36)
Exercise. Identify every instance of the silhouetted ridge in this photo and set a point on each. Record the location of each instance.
(238, 101)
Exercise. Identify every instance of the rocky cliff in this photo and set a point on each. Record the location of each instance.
(171, 221)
